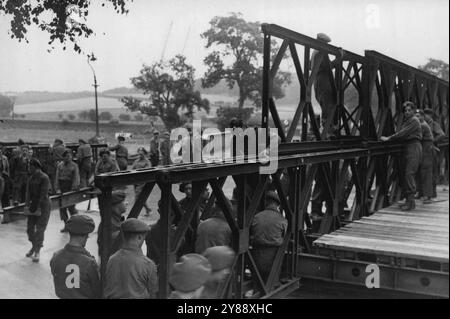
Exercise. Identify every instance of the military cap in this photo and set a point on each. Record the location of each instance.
(155, 132)
(272, 195)
(80, 225)
(35, 162)
(190, 273)
(104, 151)
(428, 111)
(81, 141)
(121, 138)
(323, 37)
(220, 257)
(57, 140)
(133, 225)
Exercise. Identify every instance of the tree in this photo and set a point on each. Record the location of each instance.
(170, 89)
(63, 20)
(6, 106)
(139, 117)
(240, 43)
(83, 115)
(71, 117)
(105, 116)
(124, 117)
(436, 67)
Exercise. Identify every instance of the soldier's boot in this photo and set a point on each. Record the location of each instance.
(410, 205)
(30, 253)
(427, 200)
(35, 257)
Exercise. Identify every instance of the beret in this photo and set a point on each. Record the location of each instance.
(80, 225)
(190, 273)
(133, 225)
(220, 257)
(57, 140)
(323, 37)
(273, 196)
(121, 138)
(35, 162)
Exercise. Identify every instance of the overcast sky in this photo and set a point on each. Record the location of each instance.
(408, 30)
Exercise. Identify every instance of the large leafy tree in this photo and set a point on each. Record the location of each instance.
(170, 89)
(237, 58)
(436, 67)
(63, 20)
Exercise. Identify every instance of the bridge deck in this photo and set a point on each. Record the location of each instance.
(422, 234)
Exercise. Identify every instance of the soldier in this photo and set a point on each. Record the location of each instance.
(438, 136)
(411, 135)
(67, 179)
(140, 163)
(267, 234)
(221, 259)
(84, 158)
(37, 208)
(425, 174)
(121, 153)
(323, 86)
(154, 149)
(4, 180)
(188, 276)
(56, 157)
(20, 172)
(75, 271)
(213, 231)
(106, 164)
(130, 274)
(164, 149)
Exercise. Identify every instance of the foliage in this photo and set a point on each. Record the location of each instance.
(87, 115)
(124, 117)
(226, 113)
(170, 89)
(237, 58)
(51, 16)
(436, 67)
(6, 106)
(71, 117)
(139, 117)
(65, 122)
(105, 116)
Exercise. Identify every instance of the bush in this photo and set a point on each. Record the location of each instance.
(22, 115)
(65, 122)
(115, 122)
(104, 116)
(139, 117)
(71, 117)
(124, 117)
(226, 113)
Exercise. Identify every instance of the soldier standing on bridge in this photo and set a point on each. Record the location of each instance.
(75, 271)
(4, 177)
(106, 164)
(37, 208)
(438, 136)
(425, 174)
(121, 153)
(410, 134)
(84, 158)
(67, 179)
(140, 163)
(20, 170)
(154, 149)
(56, 157)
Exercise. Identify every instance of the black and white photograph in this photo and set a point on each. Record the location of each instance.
(224, 150)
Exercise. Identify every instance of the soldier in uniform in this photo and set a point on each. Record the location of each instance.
(140, 163)
(4, 180)
(267, 234)
(164, 149)
(37, 207)
(221, 259)
(67, 179)
(121, 153)
(213, 231)
(154, 149)
(438, 136)
(106, 164)
(84, 158)
(20, 171)
(411, 134)
(129, 273)
(188, 276)
(56, 157)
(425, 174)
(75, 271)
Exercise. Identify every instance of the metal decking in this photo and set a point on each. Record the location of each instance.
(410, 248)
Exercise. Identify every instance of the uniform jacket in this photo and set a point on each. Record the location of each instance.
(268, 228)
(4, 166)
(67, 172)
(427, 136)
(84, 155)
(38, 188)
(108, 167)
(410, 130)
(89, 283)
(130, 275)
(121, 151)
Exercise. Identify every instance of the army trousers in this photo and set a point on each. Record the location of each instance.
(425, 174)
(36, 226)
(66, 186)
(264, 257)
(412, 156)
